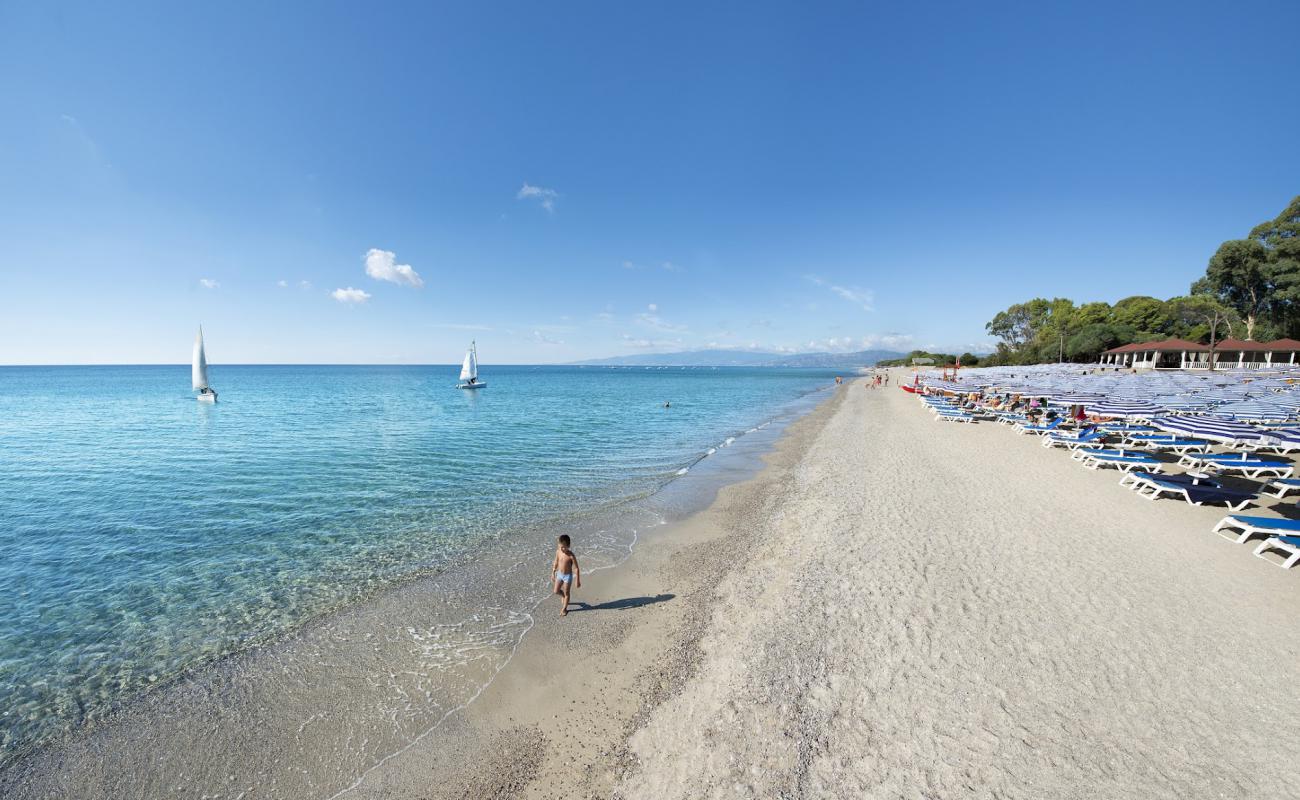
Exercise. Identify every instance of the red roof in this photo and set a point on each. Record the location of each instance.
(1284, 345)
(1239, 345)
(1168, 345)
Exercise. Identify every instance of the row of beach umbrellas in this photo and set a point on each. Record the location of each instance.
(1223, 406)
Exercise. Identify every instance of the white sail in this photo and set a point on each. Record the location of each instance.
(469, 369)
(199, 369)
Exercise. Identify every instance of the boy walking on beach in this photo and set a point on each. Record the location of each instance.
(565, 571)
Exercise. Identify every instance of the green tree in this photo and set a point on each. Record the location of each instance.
(1021, 323)
(1280, 238)
(1238, 273)
(1094, 339)
(1092, 314)
(1209, 314)
(1145, 314)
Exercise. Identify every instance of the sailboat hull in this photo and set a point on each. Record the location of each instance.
(208, 397)
(470, 385)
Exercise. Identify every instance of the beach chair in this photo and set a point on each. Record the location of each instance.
(1256, 526)
(1180, 447)
(1142, 437)
(1284, 485)
(1244, 464)
(1074, 442)
(1007, 418)
(1119, 459)
(1127, 428)
(1039, 430)
(954, 416)
(1195, 492)
(1287, 544)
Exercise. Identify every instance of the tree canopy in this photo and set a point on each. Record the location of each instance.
(1251, 288)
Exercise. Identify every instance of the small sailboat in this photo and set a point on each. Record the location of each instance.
(199, 372)
(469, 370)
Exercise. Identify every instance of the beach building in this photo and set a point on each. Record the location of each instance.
(1182, 354)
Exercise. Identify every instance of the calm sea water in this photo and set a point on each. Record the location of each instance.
(145, 534)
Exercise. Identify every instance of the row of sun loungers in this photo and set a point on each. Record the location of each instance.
(1196, 491)
(1143, 473)
(1245, 465)
(1282, 535)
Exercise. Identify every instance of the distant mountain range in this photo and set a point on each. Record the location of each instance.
(746, 358)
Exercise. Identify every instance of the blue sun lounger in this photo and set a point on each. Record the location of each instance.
(1119, 459)
(1284, 485)
(1074, 442)
(954, 416)
(1195, 492)
(1287, 544)
(1249, 466)
(1039, 429)
(1179, 446)
(1256, 526)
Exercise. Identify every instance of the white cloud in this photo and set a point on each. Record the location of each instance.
(657, 322)
(653, 307)
(545, 197)
(350, 295)
(542, 338)
(888, 341)
(304, 284)
(863, 298)
(642, 343)
(382, 266)
(208, 283)
(282, 284)
(605, 316)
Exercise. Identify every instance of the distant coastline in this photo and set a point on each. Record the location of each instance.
(745, 358)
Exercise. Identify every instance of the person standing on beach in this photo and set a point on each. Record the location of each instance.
(565, 571)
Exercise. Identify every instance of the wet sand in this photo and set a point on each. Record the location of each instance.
(898, 608)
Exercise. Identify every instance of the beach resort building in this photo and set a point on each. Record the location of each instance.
(1182, 354)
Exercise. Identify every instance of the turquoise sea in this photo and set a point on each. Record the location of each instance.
(147, 537)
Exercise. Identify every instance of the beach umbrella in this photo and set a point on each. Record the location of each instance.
(1285, 436)
(1256, 411)
(1127, 409)
(1218, 429)
(940, 385)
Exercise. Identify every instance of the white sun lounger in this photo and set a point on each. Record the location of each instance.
(954, 416)
(1287, 544)
(1255, 526)
(1249, 467)
(1125, 462)
(1284, 485)
(1073, 442)
(1153, 487)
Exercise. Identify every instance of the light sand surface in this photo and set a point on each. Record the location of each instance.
(899, 608)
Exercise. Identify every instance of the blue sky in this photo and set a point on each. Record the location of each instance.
(591, 179)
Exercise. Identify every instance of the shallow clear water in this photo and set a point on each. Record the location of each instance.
(144, 533)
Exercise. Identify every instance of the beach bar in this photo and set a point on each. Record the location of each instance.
(1182, 354)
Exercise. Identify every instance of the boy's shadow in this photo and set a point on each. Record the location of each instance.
(620, 605)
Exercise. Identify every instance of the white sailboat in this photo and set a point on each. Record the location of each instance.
(469, 370)
(199, 372)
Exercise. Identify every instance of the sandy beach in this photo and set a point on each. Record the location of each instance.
(898, 608)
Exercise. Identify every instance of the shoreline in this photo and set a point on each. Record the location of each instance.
(114, 752)
(652, 610)
(897, 608)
